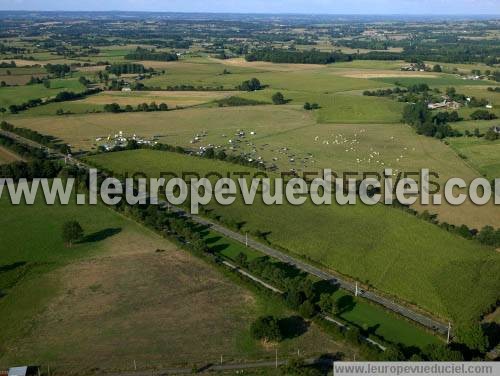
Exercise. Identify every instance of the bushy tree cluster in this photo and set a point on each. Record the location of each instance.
(124, 68)
(250, 85)
(276, 55)
(35, 136)
(142, 107)
(483, 115)
(58, 70)
(147, 54)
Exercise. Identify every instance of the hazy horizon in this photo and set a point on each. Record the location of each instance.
(311, 7)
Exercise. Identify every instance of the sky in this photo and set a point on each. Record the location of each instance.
(464, 7)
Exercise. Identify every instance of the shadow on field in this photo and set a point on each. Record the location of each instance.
(9, 282)
(346, 304)
(293, 326)
(10, 267)
(101, 235)
(325, 287)
(218, 248)
(213, 239)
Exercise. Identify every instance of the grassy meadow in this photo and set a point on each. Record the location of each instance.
(21, 94)
(484, 155)
(382, 247)
(115, 286)
(360, 313)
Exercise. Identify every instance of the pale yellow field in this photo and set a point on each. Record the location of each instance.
(362, 73)
(172, 98)
(24, 63)
(240, 62)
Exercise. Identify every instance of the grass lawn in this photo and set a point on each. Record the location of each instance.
(120, 299)
(346, 108)
(21, 94)
(379, 246)
(484, 155)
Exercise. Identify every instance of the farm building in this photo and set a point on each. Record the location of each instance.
(24, 371)
(445, 104)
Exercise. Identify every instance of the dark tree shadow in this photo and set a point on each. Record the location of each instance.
(325, 287)
(290, 270)
(218, 248)
(346, 304)
(13, 266)
(213, 239)
(371, 330)
(409, 351)
(293, 326)
(101, 235)
(325, 361)
(492, 330)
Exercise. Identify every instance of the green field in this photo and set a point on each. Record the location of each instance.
(379, 246)
(443, 80)
(113, 287)
(484, 155)
(22, 94)
(362, 314)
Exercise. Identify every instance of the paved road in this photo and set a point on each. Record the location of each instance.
(346, 285)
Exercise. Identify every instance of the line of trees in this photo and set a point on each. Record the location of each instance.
(30, 134)
(275, 55)
(234, 101)
(487, 235)
(250, 85)
(62, 96)
(22, 150)
(483, 115)
(142, 107)
(127, 68)
(425, 123)
(58, 70)
(147, 54)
